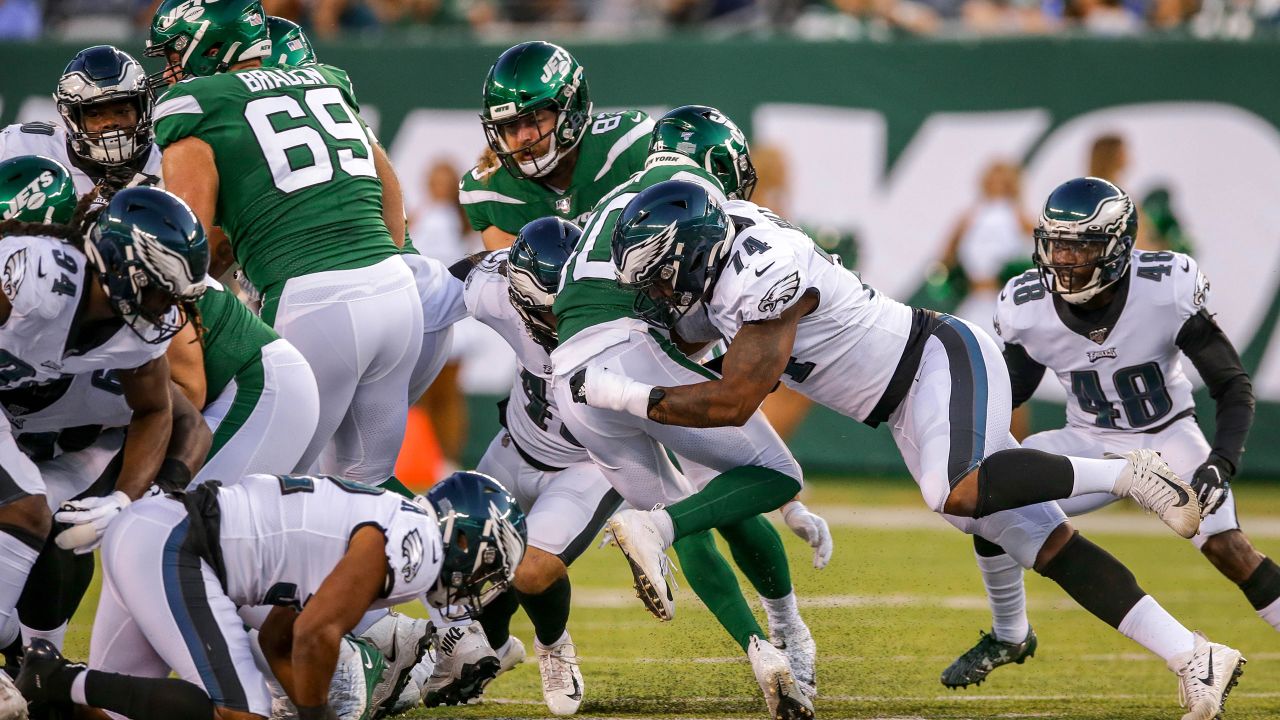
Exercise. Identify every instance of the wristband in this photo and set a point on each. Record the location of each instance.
(173, 475)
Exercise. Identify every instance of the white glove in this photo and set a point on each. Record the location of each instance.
(812, 529)
(602, 388)
(89, 518)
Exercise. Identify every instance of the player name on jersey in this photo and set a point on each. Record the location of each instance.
(272, 78)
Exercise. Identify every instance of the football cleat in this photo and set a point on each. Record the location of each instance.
(990, 653)
(782, 694)
(561, 679)
(403, 642)
(45, 680)
(465, 664)
(1149, 481)
(642, 546)
(510, 654)
(360, 669)
(1206, 675)
(796, 642)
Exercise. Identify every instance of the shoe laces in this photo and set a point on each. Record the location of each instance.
(558, 673)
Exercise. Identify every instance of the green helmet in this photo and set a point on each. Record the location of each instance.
(36, 189)
(206, 36)
(535, 76)
(709, 138)
(289, 45)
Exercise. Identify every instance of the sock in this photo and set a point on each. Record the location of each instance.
(1018, 477)
(18, 552)
(10, 634)
(1002, 576)
(1095, 579)
(757, 551)
(496, 618)
(146, 698)
(537, 642)
(55, 636)
(732, 497)
(716, 585)
(1152, 627)
(549, 610)
(1095, 476)
(394, 485)
(77, 689)
(666, 528)
(782, 611)
(55, 586)
(1263, 591)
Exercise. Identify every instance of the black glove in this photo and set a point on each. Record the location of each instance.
(1211, 483)
(578, 386)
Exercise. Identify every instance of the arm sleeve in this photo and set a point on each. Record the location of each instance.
(1218, 363)
(1024, 372)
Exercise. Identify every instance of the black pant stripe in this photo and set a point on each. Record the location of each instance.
(609, 504)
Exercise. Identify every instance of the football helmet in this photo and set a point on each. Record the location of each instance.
(147, 240)
(36, 189)
(101, 75)
(526, 78)
(533, 271)
(668, 245)
(484, 535)
(198, 39)
(1084, 238)
(289, 45)
(711, 140)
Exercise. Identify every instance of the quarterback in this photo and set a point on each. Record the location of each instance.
(320, 240)
(792, 314)
(1113, 324)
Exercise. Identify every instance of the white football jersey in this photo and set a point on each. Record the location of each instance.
(73, 400)
(45, 280)
(846, 350)
(281, 536)
(49, 140)
(531, 415)
(1124, 371)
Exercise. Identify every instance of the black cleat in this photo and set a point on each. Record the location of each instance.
(975, 665)
(46, 676)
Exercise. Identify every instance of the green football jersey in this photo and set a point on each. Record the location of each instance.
(233, 338)
(589, 291)
(614, 148)
(297, 191)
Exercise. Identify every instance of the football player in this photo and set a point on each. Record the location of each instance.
(440, 294)
(791, 313)
(321, 550)
(548, 155)
(321, 242)
(72, 309)
(106, 106)
(1114, 324)
(600, 321)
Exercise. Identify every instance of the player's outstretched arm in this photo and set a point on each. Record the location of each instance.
(147, 391)
(191, 173)
(343, 598)
(393, 214)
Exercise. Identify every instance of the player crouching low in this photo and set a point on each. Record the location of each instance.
(323, 551)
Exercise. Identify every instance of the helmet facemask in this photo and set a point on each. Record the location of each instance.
(533, 302)
(497, 550)
(79, 97)
(513, 159)
(685, 277)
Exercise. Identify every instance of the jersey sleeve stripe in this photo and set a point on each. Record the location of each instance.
(182, 105)
(471, 197)
(641, 130)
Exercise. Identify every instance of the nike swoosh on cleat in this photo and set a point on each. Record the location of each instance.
(576, 695)
(1183, 498)
(391, 654)
(1208, 680)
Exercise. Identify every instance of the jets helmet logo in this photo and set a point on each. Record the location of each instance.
(782, 292)
(191, 11)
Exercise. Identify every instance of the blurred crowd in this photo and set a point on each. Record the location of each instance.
(814, 19)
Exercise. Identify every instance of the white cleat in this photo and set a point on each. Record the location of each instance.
(1206, 675)
(782, 694)
(464, 666)
(1149, 481)
(642, 545)
(510, 655)
(561, 679)
(796, 642)
(403, 642)
(12, 705)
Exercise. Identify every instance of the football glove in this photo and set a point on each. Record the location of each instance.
(603, 388)
(812, 529)
(89, 518)
(1211, 483)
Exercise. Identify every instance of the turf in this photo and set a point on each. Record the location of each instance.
(900, 600)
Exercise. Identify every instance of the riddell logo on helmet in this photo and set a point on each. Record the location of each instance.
(191, 10)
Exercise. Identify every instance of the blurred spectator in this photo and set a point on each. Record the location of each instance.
(1111, 18)
(1109, 160)
(1005, 17)
(19, 20)
(99, 20)
(867, 19)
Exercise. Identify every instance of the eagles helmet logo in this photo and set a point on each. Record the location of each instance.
(782, 292)
(639, 261)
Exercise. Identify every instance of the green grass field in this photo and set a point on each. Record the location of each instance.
(899, 601)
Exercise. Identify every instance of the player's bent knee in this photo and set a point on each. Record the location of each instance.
(538, 571)
(30, 515)
(963, 498)
(1053, 544)
(1232, 554)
